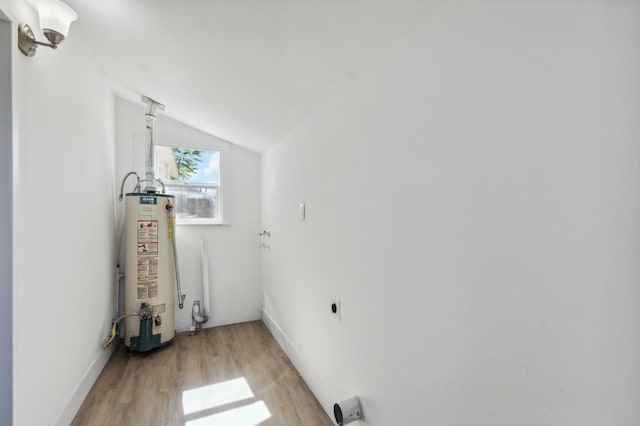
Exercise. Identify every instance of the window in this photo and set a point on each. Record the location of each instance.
(194, 177)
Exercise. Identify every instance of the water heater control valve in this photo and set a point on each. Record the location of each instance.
(145, 311)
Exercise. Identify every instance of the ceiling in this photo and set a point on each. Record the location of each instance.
(247, 71)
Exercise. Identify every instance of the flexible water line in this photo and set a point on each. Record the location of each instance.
(114, 325)
(124, 180)
(171, 217)
(119, 237)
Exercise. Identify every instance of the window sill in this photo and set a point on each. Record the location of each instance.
(200, 222)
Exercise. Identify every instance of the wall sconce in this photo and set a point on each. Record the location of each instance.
(55, 18)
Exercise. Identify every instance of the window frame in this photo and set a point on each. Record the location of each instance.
(222, 148)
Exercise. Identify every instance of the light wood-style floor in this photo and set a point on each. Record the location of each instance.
(148, 389)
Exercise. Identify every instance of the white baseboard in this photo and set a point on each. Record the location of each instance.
(73, 405)
(317, 386)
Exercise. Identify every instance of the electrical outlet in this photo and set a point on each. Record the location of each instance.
(334, 308)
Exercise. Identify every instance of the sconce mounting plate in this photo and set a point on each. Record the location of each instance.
(26, 40)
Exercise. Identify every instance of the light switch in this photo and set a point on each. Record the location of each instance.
(302, 211)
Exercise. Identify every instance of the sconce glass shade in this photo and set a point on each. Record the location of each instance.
(55, 19)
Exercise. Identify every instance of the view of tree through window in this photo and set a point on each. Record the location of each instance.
(193, 176)
(187, 162)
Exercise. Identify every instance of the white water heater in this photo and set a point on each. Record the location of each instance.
(150, 282)
(151, 265)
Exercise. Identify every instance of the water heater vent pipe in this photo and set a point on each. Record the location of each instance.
(150, 115)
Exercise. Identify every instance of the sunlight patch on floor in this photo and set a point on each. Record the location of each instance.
(206, 398)
(216, 395)
(247, 415)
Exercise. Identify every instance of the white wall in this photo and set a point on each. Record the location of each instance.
(6, 223)
(63, 230)
(234, 259)
(473, 200)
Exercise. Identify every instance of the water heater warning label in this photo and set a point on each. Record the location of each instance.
(159, 309)
(148, 232)
(147, 259)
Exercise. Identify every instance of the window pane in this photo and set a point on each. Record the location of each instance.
(194, 202)
(179, 164)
